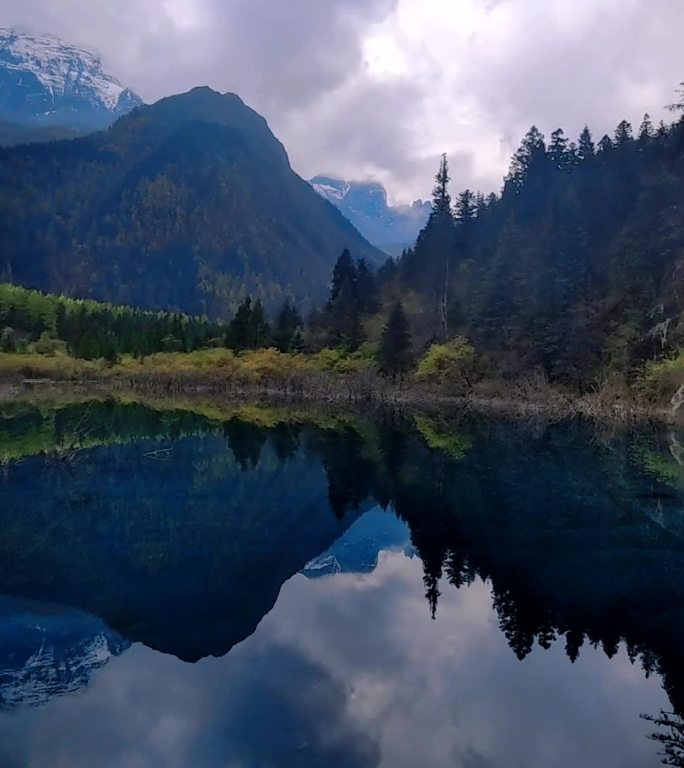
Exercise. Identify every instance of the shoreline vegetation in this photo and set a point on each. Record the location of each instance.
(330, 378)
(560, 297)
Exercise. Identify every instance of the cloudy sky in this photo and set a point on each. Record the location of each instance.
(309, 689)
(379, 88)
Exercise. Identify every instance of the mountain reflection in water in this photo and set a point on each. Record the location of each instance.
(550, 555)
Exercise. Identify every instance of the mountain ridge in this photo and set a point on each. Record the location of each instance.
(188, 204)
(47, 81)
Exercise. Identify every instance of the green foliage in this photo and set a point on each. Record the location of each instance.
(92, 330)
(353, 296)
(249, 328)
(342, 360)
(450, 364)
(443, 437)
(575, 269)
(660, 379)
(47, 344)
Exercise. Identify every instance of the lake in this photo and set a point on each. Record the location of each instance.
(198, 584)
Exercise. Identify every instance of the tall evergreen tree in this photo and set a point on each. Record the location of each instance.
(529, 158)
(344, 271)
(466, 205)
(623, 134)
(239, 334)
(677, 105)
(395, 356)
(558, 149)
(646, 131)
(366, 288)
(344, 320)
(606, 144)
(287, 330)
(259, 329)
(441, 199)
(585, 145)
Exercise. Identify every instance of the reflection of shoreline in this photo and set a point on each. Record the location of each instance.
(581, 538)
(48, 651)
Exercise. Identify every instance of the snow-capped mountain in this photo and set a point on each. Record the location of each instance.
(364, 203)
(45, 81)
(48, 651)
(358, 549)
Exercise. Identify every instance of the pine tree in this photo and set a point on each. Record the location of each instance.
(388, 271)
(529, 158)
(678, 105)
(344, 320)
(623, 134)
(344, 271)
(606, 144)
(466, 205)
(441, 199)
(366, 288)
(238, 336)
(646, 130)
(585, 145)
(558, 149)
(287, 331)
(259, 330)
(395, 344)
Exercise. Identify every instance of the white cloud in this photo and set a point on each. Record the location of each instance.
(381, 87)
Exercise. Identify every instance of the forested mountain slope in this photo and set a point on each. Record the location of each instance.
(188, 204)
(577, 269)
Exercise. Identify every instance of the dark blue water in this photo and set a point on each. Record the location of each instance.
(199, 588)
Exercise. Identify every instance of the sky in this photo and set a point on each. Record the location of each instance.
(309, 689)
(380, 88)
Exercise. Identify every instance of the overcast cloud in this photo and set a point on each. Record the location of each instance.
(379, 88)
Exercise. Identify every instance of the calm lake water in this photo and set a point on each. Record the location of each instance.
(257, 588)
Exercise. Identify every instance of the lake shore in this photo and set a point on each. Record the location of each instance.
(528, 399)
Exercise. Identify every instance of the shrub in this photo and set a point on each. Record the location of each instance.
(448, 364)
(47, 344)
(8, 341)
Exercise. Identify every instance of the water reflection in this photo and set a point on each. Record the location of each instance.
(179, 528)
(350, 671)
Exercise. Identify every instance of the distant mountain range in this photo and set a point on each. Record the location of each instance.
(47, 82)
(188, 204)
(364, 203)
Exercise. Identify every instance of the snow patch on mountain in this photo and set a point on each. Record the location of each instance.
(334, 190)
(42, 76)
(49, 651)
(364, 203)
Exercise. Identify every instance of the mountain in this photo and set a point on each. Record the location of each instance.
(48, 651)
(47, 82)
(186, 556)
(12, 134)
(358, 549)
(188, 204)
(364, 203)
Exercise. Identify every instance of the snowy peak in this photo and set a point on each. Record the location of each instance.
(364, 203)
(331, 188)
(47, 81)
(48, 651)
